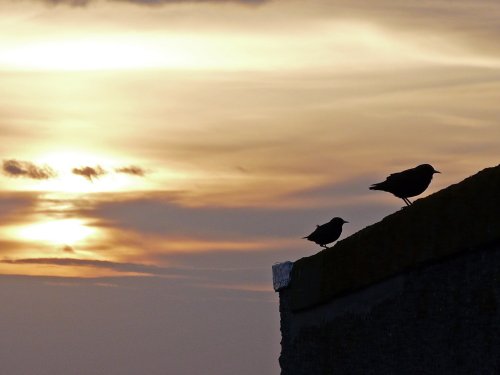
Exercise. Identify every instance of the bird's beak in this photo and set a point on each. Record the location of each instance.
(436, 171)
(345, 221)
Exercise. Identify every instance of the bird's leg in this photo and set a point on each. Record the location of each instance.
(407, 201)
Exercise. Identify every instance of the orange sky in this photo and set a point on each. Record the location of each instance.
(197, 141)
(252, 113)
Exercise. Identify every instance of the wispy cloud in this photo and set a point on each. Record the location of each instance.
(132, 170)
(89, 173)
(218, 275)
(14, 209)
(116, 266)
(26, 169)
(153, 2)
(160, 214)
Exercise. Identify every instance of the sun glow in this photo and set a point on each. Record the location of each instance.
(58, 232)
(111, 52)
(64, 162)
(84, 54)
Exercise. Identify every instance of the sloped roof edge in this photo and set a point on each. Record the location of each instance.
(461, 217)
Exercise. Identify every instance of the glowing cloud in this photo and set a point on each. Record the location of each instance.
(131, 170)
(26, 169)
(65, 232)
(89, 172)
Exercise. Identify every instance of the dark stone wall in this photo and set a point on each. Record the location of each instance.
(442, 318)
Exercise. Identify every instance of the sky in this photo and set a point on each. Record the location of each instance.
(159, 156)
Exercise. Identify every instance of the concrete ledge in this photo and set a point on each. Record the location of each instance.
(460, 218)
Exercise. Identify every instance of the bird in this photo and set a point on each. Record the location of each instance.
(327, 233)
(408, 183)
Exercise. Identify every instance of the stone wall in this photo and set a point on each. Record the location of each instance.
(441, 319)
(416, 293)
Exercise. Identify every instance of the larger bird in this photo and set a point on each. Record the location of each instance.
(327, 233)
(408, 183)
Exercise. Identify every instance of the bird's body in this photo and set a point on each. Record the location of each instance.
(408, 183)
(327, 233)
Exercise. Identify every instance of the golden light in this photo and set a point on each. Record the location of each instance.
(63, 162)
(83, 54)
(57, 232)
(111, 52)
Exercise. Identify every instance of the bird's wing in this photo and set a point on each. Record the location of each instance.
(399, 176)
(319, 229)
(312, 234)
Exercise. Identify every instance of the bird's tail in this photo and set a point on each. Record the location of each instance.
(375, 187)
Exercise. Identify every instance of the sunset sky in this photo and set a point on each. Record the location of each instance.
(159, 156)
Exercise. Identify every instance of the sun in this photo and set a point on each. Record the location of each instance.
(82, 54)
(57, 232)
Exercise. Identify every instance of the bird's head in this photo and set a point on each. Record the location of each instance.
(338, 220)
(428, 169)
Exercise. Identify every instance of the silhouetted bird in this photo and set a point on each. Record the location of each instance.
(408, 183)
(327, 233)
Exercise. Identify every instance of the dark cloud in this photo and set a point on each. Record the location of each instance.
(161, 215)
(132, 170)
(216, 276)
(89, 172)
(120, 267)
(151, 214)
(26, 169)
(68, 249)
(15, 207)
(11, 202)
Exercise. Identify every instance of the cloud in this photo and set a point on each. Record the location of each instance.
(26, 169)
(68, 2)
(89, 172)
(159, 214)
(161, 2)
(68, 249)
(132, 170)
(15, 208)
(153, 2)
(116, 266)
(218, 275)
(242, 279)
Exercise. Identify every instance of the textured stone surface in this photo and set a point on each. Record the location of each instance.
(417, 293)
(440, 319)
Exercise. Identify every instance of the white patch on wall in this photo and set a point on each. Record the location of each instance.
(282, 275)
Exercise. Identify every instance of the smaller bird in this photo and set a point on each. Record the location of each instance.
(408, 183)
(327, 233)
